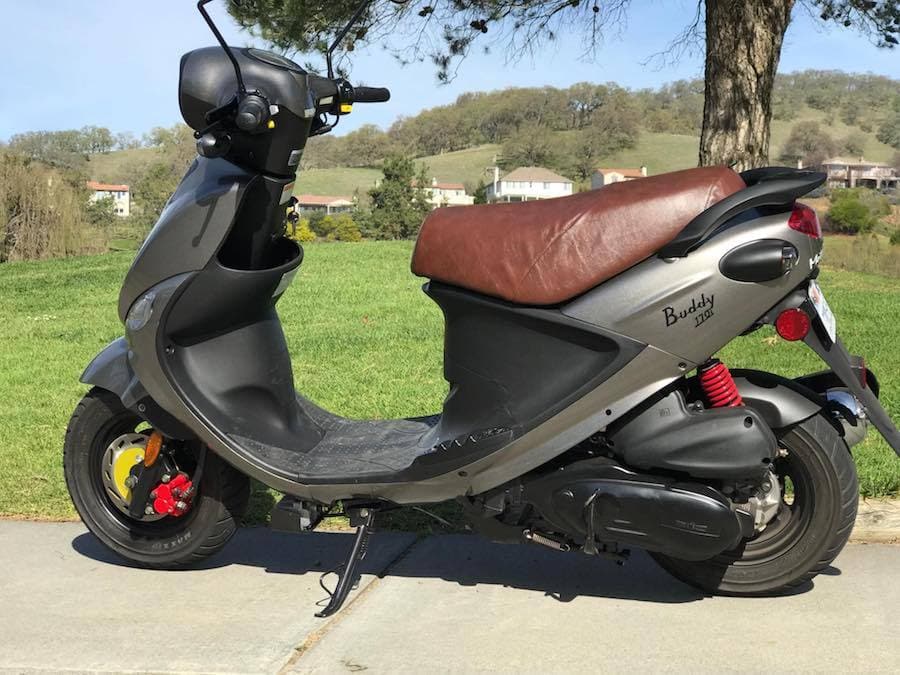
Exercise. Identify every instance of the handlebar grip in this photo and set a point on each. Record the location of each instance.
(371, 94)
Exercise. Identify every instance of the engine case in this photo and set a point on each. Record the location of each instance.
(684, 520)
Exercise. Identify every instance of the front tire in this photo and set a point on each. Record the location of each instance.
(804, 537)
(166, 543)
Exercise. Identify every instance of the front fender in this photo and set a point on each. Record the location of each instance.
(110, 370)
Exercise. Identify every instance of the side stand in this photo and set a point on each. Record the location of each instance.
(347, 577)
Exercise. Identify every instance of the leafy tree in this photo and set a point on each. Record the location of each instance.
(809, 143)
(480, 192)
(889, 131)
(399, 201)
(530, 146)
(850, 113)
(127, 141)
(176, 146)
(854, 143)
(613, 128)
(743, 43)
(151, 192)
(43, 212)
(96, 140)
(101, 213)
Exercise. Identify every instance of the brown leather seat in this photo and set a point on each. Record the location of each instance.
(545, 252)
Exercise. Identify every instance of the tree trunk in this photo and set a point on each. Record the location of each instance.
(743, 46)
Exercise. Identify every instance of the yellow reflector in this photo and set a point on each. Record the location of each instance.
(271, 124)
(346, 108)
(154, 445)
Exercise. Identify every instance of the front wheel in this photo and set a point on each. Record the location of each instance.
(103, 441)
(820, 495)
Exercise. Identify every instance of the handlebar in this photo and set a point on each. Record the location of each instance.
(344, 92)
(371, 94)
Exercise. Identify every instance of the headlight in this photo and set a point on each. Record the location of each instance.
(140, 312)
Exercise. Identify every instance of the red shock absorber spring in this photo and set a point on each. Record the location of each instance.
(718, 385)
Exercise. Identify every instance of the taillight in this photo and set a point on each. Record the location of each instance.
(792, 324)
(804, 219)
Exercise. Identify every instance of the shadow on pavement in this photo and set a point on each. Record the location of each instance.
(467, 560)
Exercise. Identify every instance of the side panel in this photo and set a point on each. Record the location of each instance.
(685, 306)
(190, 229)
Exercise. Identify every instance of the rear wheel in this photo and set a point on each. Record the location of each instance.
(104, 439)
(808, 531)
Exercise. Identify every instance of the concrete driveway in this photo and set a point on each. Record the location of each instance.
(450, 603)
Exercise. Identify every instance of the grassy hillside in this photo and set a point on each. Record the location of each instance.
(375, 353)
(660, 152)
(874, 150)
(121, 165)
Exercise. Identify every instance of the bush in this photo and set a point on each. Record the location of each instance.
(850, 216)
(302, 232)
(317, 223)
(895, 238)
(344, 228)
(855, 211)
(337, 227)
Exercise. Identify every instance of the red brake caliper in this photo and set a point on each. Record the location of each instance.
(173, 498)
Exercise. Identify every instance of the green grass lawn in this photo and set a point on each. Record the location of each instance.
(365, 342)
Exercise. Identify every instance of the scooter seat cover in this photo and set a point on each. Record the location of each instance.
(549, 251)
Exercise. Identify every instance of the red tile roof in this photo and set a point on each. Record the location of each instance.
(321, 200)
(106, 187)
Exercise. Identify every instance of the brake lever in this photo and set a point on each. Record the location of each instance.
(323, 126)
(217, 116)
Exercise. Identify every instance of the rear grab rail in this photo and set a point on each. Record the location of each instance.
(770, 186)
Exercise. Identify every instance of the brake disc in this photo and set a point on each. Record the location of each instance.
(120, 457)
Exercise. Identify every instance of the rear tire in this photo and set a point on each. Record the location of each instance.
(806, 535)
(162, 544)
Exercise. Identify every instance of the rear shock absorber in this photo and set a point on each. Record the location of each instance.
(718, 385)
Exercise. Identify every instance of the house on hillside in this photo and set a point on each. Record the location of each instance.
(847, 172)
(448, 194)
(307, 204)
(603, 177)
(120, 195)
(527, 183)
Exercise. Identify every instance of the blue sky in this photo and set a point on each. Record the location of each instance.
(114, 63)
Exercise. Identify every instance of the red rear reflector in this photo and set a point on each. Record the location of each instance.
(804, 219)
(792, 324)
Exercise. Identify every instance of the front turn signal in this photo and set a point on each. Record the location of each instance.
(151, 452)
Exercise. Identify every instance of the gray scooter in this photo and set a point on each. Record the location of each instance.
(585, 409)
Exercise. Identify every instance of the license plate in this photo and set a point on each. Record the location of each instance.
(817, 297)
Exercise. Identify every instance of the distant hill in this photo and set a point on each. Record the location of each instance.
(459, 141)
